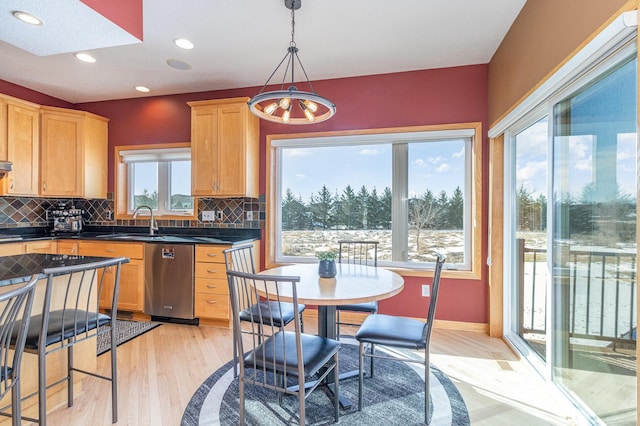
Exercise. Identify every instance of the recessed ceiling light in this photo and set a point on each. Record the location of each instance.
(142, 89)
(85, 57)
(26, 17)
(178, 64)
(183, 43)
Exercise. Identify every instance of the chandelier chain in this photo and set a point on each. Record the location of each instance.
(293, 27)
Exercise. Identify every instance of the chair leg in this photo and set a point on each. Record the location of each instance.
(241, 392)
(42, 388)
(114, 380)
(336, 389)
(16, 413)
(301, 323)
(360, 374)
(70, 376)
(301, 398)
(373, 348)
(427, 373)
(337, 324)
(235, 355)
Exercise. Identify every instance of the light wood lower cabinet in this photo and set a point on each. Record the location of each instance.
(212, 304)
(131, 296)
(44, 247)
(69, 247)
(212, 292)
(11, 249)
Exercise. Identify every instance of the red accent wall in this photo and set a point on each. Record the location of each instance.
(25, 94)
(127, 14)
(440, 96)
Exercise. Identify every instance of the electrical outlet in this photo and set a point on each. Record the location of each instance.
(109, 215)
(219, 215)
(250, 215)
(426, 290)
(208, 216)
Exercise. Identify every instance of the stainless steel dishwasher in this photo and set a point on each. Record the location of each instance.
(169, 280)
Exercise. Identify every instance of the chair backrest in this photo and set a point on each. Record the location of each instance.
(73, 299)
(435, 287)
(15, 312)
(240, 259)
(244, 290)
(358, 252)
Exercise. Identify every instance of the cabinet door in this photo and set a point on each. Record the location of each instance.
(204, 150)
(61, 153)
(131, 296)
(11, 249)
(45, 247)
(231, 156)
(68, 247)
(23, 137)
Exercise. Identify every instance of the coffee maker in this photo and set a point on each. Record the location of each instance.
(66, 219)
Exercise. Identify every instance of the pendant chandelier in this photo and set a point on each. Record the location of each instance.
(291, 105)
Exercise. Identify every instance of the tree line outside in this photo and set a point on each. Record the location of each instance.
(613, 219)
(364, 209)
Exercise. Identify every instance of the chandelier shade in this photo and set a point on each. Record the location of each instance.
(289, 105)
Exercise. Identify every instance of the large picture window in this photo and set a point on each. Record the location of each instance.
(412, 192)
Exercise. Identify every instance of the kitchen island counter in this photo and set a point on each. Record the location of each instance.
(19, 268)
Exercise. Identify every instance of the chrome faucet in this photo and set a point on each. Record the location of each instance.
(153, 226)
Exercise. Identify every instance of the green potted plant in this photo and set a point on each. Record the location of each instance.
(327, 265)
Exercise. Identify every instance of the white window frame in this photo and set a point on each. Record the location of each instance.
(400, 140)
(126, 159)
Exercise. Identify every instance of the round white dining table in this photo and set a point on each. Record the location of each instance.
(352, 284)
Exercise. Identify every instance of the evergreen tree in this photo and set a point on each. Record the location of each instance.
(386, 201)
(321, 207)
(374, 211)
(455, 210)
(346, 211)
(362, 208)
(294, 215)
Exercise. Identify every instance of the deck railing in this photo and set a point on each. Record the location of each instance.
(601, 290)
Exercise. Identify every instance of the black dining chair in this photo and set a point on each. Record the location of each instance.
(400, 332)
(71, 315)
(240, 259)
(356, 253)
(281, 360)
(15, 311)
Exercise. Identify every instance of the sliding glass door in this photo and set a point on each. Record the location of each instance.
(571, 239)
(594, 244)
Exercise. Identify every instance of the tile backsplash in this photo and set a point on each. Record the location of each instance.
(16, 212)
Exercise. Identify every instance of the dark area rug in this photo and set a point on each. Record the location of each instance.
(125, 331)
(394, 396)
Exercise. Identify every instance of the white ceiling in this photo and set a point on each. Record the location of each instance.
(238, 43)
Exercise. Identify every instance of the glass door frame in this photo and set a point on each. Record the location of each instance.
(603, 64)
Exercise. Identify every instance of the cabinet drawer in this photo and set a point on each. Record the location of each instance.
(210, 253)
(212, 305)
(211, 270)
(111, 249)
(208, 285)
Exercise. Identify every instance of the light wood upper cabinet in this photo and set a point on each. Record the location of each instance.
(19, 143)
(73, 149)
(224, 148)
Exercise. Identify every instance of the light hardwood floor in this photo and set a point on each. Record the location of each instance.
(160, 370)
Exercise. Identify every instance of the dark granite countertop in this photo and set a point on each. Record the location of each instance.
(18, 269)
(138, 234)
